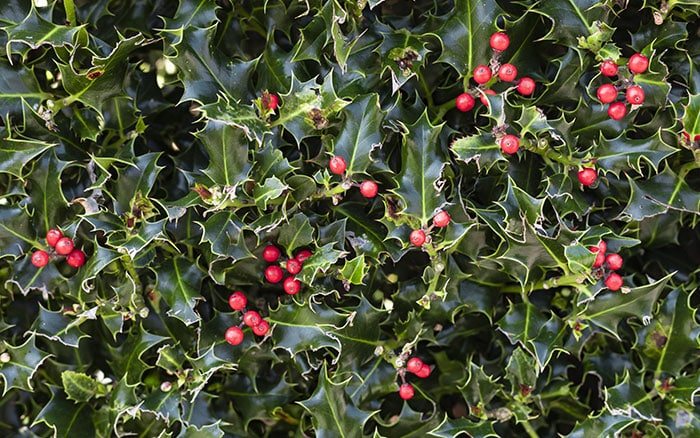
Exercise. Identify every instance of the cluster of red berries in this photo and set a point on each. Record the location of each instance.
(337, 166)
(62, 246)
(234, 334)
(417, 367)
(419, 236)
(607, 261)
(275, 274)
(634, 94)
(482, 74)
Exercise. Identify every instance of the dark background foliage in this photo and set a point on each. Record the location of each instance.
(137, 128)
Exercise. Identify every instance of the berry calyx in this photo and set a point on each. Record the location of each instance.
(262, 328)
(251, 318)
(369, 189)
(417, 237)
(52, 236)
(441, 219)
(424, 371)
(40, 258)
(526, 86)
(303, 255)
(271, 253)
(608, 68)
(499, 41)
(337, 165)
(414, 365)
(484, 100)
(237, 300)
(274, 274)
(293, 266)
(606, 93)
(613, 282)
(507, 72)
(234, 335)
(635, 95)
(406, 391)
(638, 63)
(76, 258)
(464, 102)
(510, 144)
(482, 74)
(291, 286)
(587, 176)
(614, 261)
(617, 110)
(64, 246)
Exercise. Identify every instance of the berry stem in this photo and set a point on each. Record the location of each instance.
(549, 153)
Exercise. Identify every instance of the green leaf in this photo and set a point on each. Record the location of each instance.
(66, 417)
(179, 284)
(227, 148)
(691, 116)
(136, 181)
(332, 414)
(16, 231)
(658, 194)
(35, 31)
(58, 327)
(572, 19)
(452, 428)
(236, 115)
(361, 133)
(224, 231)
(17, 85)
(79, 387)
(621, 154)
(480, 148)
(297, 233)
(630, 399)
(271, 189)
(94, 91)
(127, 358)
(420, 178)
(465, 34)
(319, 263)
(47, 197)
(354, 270)
(24, 360)
(608, 310)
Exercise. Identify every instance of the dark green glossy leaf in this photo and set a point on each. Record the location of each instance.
(24, 360)
(179, 284)
(66, 417)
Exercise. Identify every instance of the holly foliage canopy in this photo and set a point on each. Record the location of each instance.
(142, 130)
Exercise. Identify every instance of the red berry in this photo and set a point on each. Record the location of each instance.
(587, 176)
(52, 236)
(64, 246)
(638, 63)
(369, 189)
(303, 255)
(262, 328)
(251, 318)
(613, 282)
(606, 93)
(635, 95)
(526, 86)
(273, 274)
(273, 102)
(414, 365)
(291, 286)
(406, 391)
(608, 68)
(602, 246)
(76, 258)
(499, 41)
(293, 266)
(417, 237)
(614, 261)
(482, 74)
(441, 219)
(464, 102)
(271, 253)
(484, 100)
(507, 72)
(234, 335)
(424, 371)
(617, 110)
(237, 300)
(510, 144)
(599, 257)
(40, 258)
(337, 165)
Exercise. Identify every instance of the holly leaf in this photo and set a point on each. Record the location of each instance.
(454, 427)
(127, 358)
(24, 360)
(34, 31)
(480, 148)
(17, 233)
(630, 400)
(57, 327)
(224, 231)
(691, 116)
(17, 84)
(236, 115)
(658, 194)
(79, 387)
(332, 413)
(66, 417)
(607, 310)
(572, 20)
(179, 284)
(621, 154)
(361, 133)
(297, 233)
(420, 178)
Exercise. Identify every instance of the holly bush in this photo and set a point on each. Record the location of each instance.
(196, 148)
